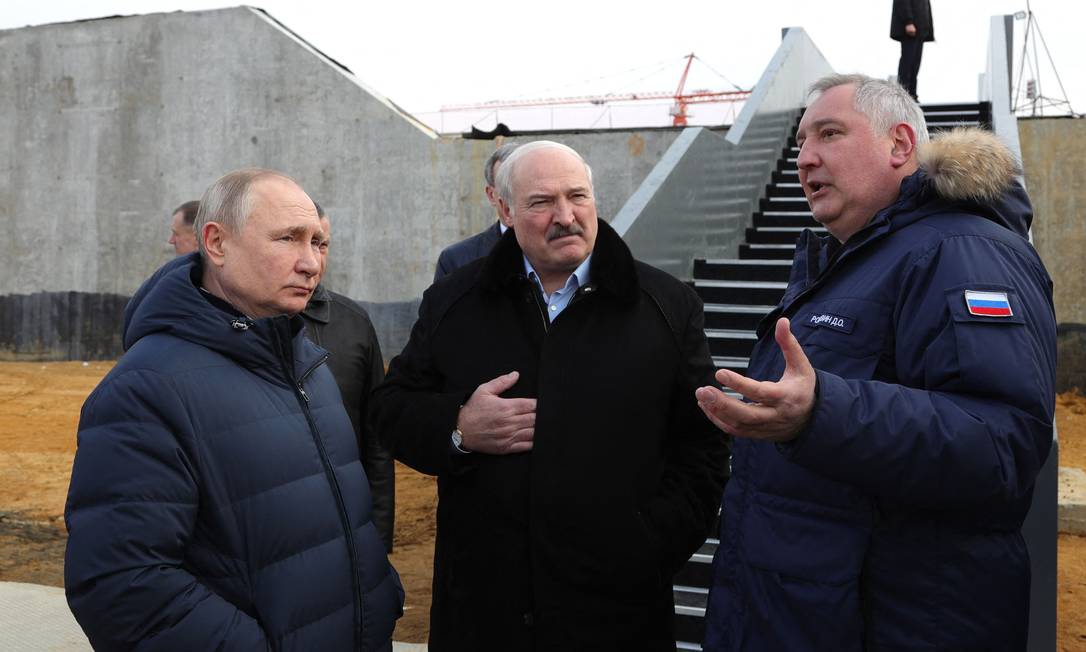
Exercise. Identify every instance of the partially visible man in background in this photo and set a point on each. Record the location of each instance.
(479, 245)
(344, 329)
(182, 236)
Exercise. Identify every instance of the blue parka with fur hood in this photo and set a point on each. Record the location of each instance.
(893, 521)
(217, 500)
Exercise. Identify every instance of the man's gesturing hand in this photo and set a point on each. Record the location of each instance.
(495, 425)
(779, 410)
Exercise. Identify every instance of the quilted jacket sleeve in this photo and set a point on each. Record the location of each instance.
(969, 421)
(130, 513)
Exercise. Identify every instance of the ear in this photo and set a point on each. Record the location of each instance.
(492, 196)
(506, 213)
(903, 139)
(215, 237)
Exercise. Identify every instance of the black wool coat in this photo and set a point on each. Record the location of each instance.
(917, 12)
(571, 546)
(342, 327)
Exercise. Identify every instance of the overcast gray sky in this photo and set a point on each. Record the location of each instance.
(423, 55)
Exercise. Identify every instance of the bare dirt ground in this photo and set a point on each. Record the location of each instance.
(39, 411)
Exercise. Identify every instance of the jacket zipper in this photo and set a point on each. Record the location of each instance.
(329, 472)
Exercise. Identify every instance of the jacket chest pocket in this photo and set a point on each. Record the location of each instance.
(845, 336)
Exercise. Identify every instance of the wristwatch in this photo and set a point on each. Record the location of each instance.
(458, 441)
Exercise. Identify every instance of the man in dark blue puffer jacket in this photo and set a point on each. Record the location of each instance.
(902, 396)
(217, 500)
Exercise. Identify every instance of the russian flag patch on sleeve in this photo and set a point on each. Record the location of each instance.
(988, 304)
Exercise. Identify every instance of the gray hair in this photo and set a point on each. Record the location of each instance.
(884, 103)
(498, 156)
(504, 182)
(229, 201)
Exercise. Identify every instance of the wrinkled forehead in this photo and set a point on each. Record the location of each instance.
(549, 166)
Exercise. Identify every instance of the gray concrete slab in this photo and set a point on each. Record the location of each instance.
(35, 618)
(1072, 510)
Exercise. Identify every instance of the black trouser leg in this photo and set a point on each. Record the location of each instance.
(909, 65)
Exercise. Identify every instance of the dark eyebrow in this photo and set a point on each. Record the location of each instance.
(295, 231)
(818, 124)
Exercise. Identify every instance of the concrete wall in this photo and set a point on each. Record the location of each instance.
(1054, 158)
(109, 124)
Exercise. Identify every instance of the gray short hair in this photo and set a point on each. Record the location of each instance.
(228, 201)
(504, 182)
(884, 103)
(498, 156)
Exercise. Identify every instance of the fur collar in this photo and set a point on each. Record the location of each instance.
(968, 164)
(612, 269)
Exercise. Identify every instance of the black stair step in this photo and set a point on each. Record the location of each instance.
(766, 252)
(698, 571)
(734, 316)
(733, 269)
(955, 106)
(785, 175)
(690, 604)
(731, 343)
(786, 204)
(773, 235)
(784, 189)
(738, 365)
(759, 293)
(792, 220)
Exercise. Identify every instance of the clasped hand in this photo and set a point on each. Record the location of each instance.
(495, 425)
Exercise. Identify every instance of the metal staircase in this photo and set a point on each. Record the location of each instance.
(738, 292)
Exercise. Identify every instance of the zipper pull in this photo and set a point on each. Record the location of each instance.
(301, 391)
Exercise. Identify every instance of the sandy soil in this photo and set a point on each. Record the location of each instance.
(39, 411)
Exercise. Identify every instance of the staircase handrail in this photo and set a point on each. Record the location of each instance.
(697, 200)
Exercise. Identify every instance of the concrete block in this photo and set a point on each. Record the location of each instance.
(1072, 501)
(35, 617)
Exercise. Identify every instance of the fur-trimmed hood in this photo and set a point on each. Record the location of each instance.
(972, 169)
(968, 164)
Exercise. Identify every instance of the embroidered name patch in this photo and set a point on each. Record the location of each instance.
(988, 304)
(835, 322)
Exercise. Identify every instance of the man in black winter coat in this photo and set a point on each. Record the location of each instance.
(549, 388)
(342, 327)
(911, 24)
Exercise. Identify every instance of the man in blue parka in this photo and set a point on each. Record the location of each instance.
(899, 401)
(217, 500)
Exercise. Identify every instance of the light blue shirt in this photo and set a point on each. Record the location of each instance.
(560, 298)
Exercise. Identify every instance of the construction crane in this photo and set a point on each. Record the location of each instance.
(678, 111)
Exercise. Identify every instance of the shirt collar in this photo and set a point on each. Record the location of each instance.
(579, 278)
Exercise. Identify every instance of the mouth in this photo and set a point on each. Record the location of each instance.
(815, 188)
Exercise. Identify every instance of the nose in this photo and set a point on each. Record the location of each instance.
(309, 262)
(563, 212)
(807, 158)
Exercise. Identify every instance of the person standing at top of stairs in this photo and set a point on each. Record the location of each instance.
(911, 25)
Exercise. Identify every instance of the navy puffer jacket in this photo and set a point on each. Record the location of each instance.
(893, 521)
(217, 500)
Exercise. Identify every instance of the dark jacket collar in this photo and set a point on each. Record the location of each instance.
(319, 308)
(171, 302)
(612, 269)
